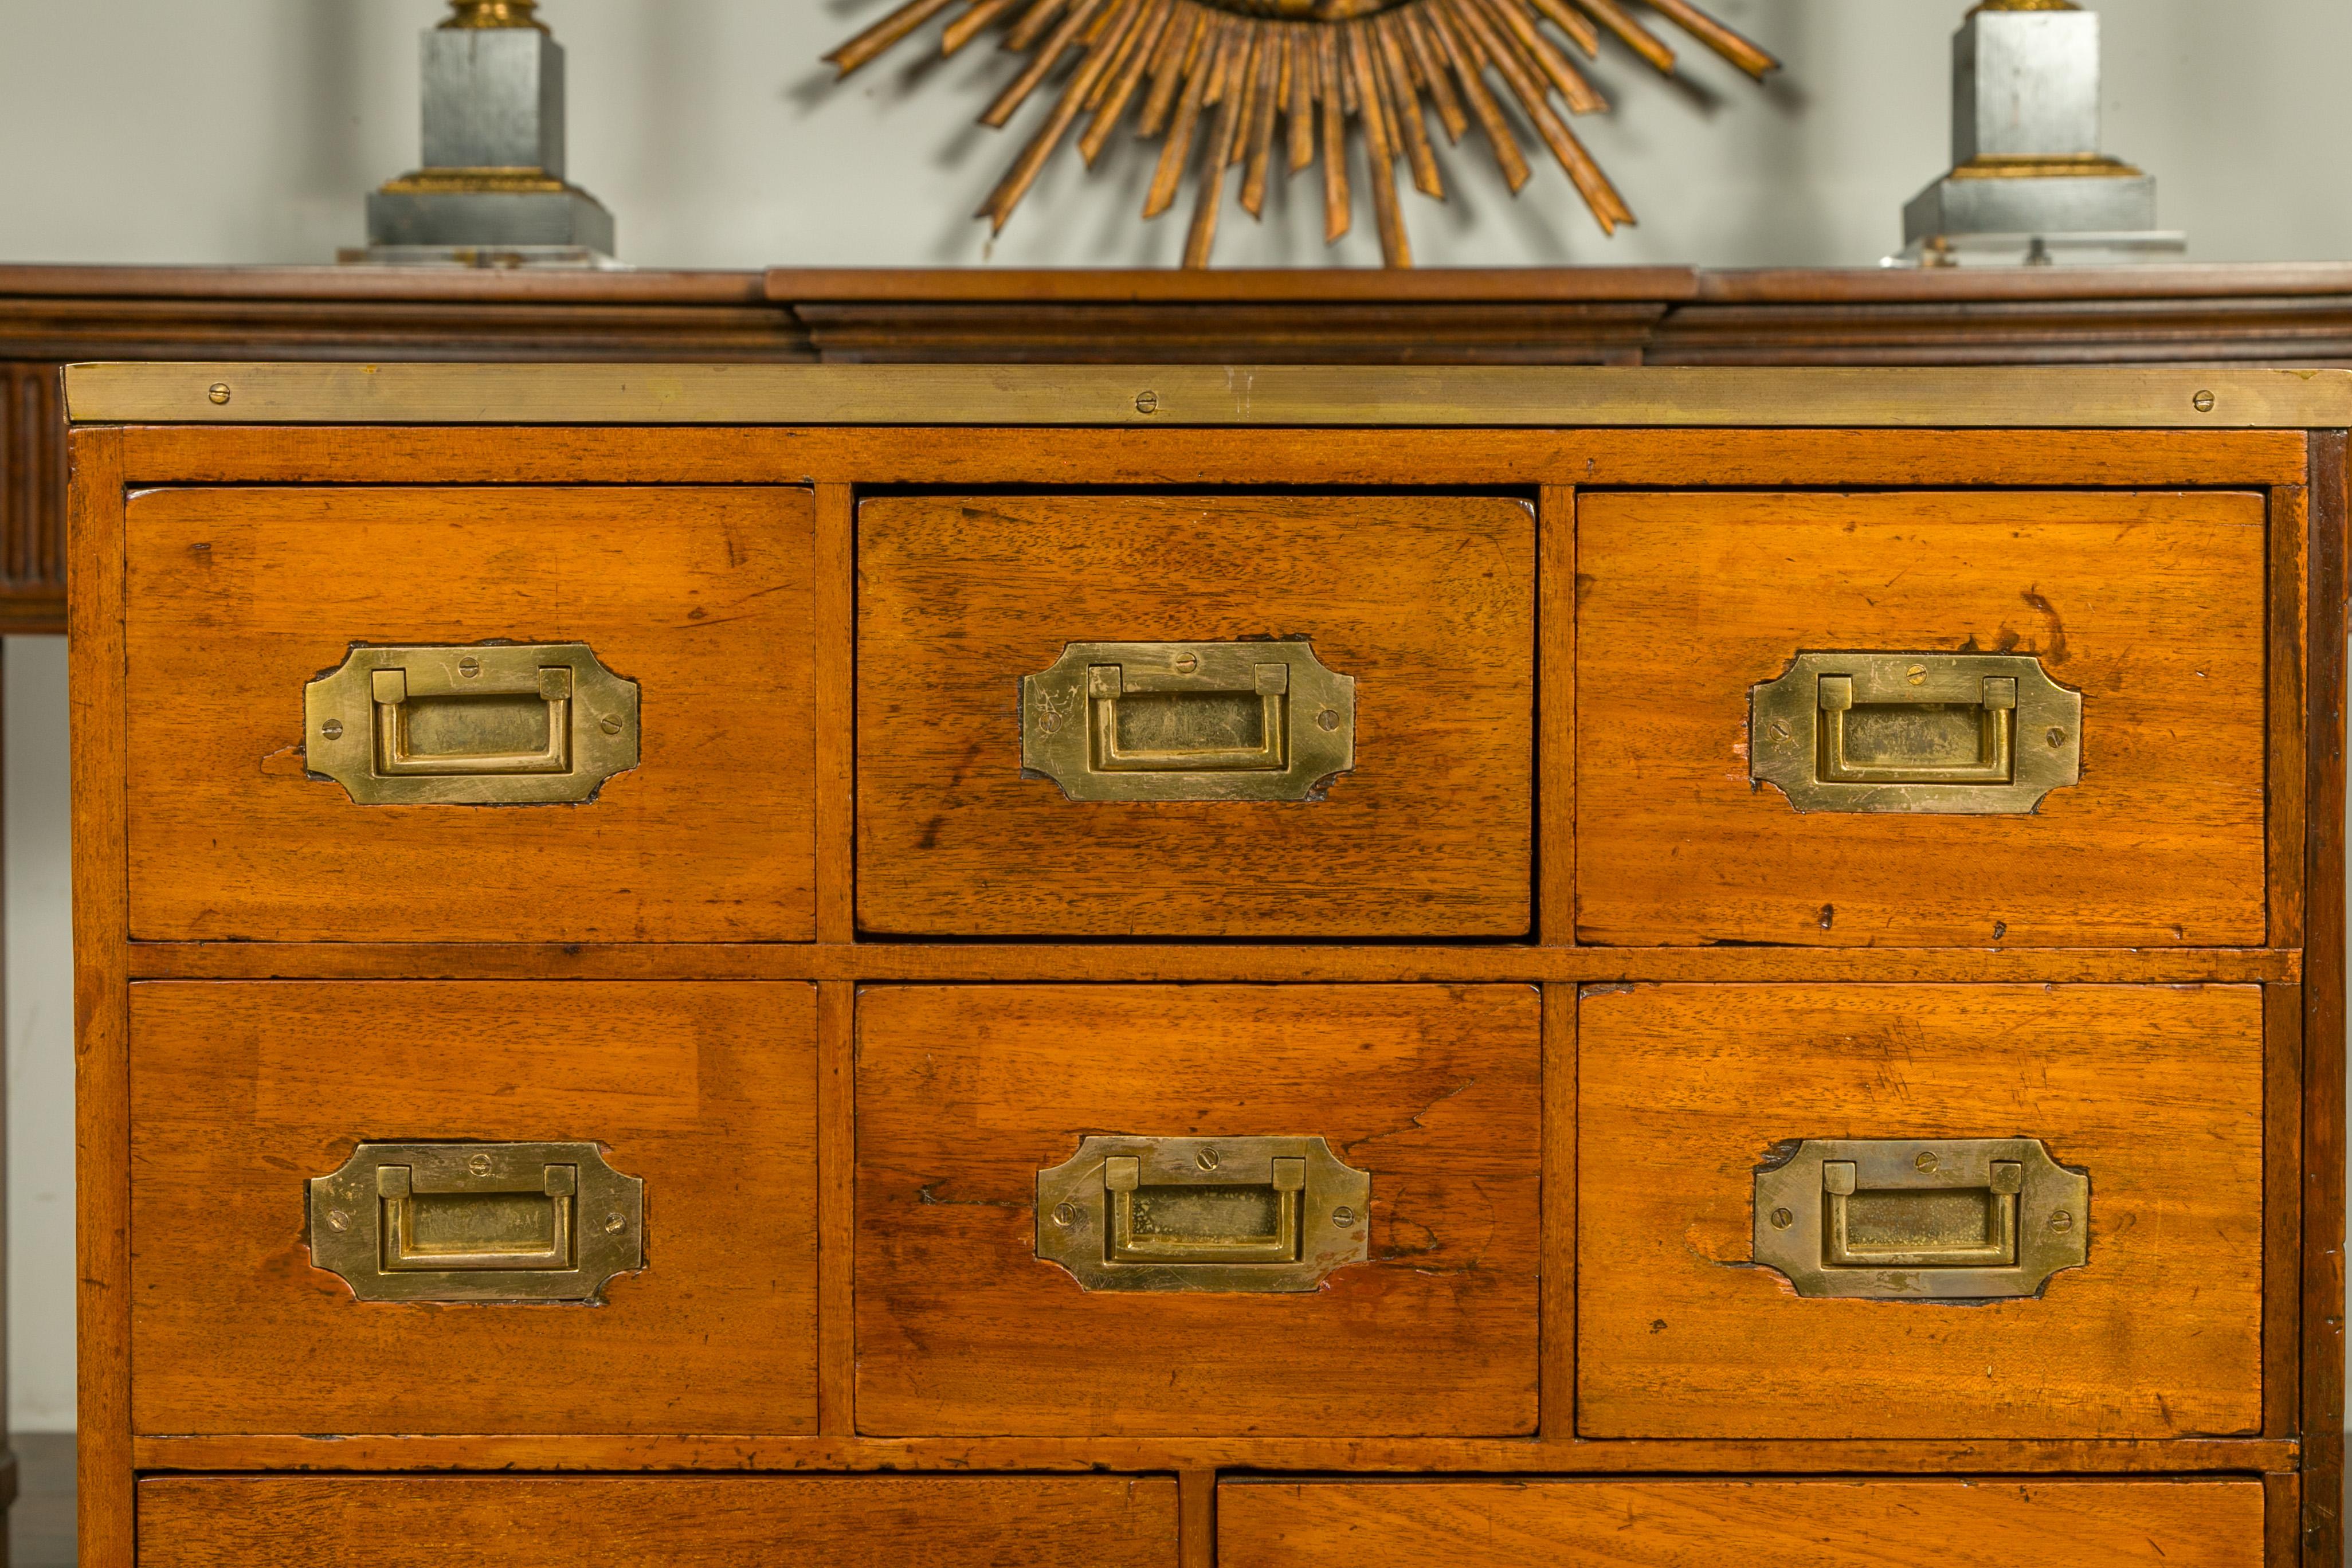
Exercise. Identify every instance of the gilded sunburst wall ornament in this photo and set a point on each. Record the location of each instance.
(1239, 84)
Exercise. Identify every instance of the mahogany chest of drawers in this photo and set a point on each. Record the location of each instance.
(1167, 967)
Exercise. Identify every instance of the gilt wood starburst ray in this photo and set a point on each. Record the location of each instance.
(1240, 84)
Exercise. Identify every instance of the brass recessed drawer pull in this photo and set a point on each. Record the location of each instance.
(489, 724)
(1958, 734)
(1203, 1214)
(1897, 1219)
(477, 1222)
(1193, 720)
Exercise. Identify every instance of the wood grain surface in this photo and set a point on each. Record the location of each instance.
(2289, 608)
(2282, 1210)
(238, 597)
(2149, 605)
(690, 1452)
(1428, 602)
(101, 1023)
(1182, 458)
(1107, 1522)
(1118, 962)
(1758, 1524)
(1684, 1090)
(2323, 1019)
(239, 1093)
(1556, 720)
(965, 1094)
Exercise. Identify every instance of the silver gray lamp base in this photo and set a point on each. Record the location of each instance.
(492, 192)
(2086, 210)
(2028, 184)
(435, 219)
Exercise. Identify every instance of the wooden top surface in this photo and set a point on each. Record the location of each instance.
(1669, 285)
(788, 286)
(1266, 396)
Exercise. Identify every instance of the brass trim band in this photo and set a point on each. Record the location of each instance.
(1263, 396)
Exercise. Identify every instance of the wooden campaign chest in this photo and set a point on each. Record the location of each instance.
(1149, 968)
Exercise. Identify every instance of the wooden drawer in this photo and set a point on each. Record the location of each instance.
(965, 1095)
(1764, 1524)
(703, 1092)
(862, 1521)
(2149, 607)
(1685, 1091)
(236, 600)
(1425, 602)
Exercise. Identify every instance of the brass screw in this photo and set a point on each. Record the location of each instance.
(1918, 674)
(1327, 720)
(613, 1223)
(1926, 1160)
(1343, 1217)
(2057, 736)
(2202, 403)
(1782, 1219)
(469, 666)
(337, 1220)
(1065, 1215)
(611, 726)
(479, 1165)
(218, 392)
(2062, 1221)
(1147, 402)
(1187, 663)
(333, 728)
(1206, 1158)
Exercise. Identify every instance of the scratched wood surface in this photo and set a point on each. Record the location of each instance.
(1758, 1524)
(1106, 1521)
(729, 1452)
(2149, 605)
(965, 1093)
(1429, 601)
(1684, 1091)
(240, 1092)
(238, 597)
(102, 1105)
(1192, 457)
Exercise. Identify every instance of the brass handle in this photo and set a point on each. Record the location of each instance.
(477, 1222)
(1970, 734)
(1134, 1240)
(487, 724)
(1993, 723)
(1177, 721)
(1203, 1213)
(485, 746)
(1900, 1219)
(455, 1245)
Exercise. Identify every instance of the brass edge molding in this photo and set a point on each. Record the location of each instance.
(1208, 397)
(2046, 166)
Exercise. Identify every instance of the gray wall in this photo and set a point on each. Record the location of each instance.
(247, 130)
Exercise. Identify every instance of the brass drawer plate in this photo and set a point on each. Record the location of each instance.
(477, 1222)
(1203, 1214)
(1905, 1220)
(1188, 720)
(1950, 733)
(485, 724)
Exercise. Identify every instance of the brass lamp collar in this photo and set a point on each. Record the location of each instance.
(493, 14)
